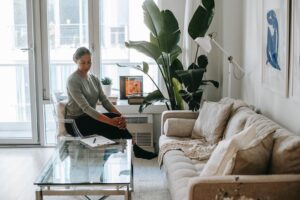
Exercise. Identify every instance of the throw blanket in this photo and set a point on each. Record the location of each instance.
(194, 149)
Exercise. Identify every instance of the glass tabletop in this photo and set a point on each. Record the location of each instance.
(76, 164)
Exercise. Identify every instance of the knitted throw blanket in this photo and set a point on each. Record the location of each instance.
(194, 149)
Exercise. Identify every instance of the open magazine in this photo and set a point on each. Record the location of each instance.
(92, 140)
(96, 141)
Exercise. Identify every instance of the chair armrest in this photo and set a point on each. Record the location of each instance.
(275, 187)
(184, 114)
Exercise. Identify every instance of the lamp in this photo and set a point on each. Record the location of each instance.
(205, 44)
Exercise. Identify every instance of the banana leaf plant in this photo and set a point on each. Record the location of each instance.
(192, 78)
(163, 48)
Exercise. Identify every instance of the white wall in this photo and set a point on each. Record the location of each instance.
(242, 35)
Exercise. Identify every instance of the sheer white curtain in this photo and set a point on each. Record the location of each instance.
(183, 11)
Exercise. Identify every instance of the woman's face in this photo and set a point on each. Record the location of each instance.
(84, 63)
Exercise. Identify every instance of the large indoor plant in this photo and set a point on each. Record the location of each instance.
(181, 84)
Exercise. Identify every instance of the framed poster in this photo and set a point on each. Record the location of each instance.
(275, 41)
(131, 86)
(295, 52)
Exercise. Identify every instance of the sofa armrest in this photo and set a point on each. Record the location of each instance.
(184, 114)
(275, 187)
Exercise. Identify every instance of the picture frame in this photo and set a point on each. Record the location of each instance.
(275, 46)
(131, 86)
(295, 52)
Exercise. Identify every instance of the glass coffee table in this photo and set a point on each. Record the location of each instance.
(76, 169)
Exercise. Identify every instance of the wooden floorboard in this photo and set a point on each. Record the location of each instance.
(20, 167)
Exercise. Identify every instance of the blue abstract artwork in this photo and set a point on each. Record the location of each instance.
(272, 40)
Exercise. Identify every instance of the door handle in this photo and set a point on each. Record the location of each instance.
(26, 49)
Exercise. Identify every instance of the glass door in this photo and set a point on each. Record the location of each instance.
(18, 124)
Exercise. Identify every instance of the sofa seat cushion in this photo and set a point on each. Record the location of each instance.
(179, 170)
(163, 139)
(286, 153)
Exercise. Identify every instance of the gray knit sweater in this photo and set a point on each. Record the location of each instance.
(83, 94)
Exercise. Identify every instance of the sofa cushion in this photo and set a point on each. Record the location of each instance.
(211, 121)
(263, 124)
(225, 150)
(236, 103)
(237, 121)
(254, 159)
(179, 127)
(286, 153)
(179, 170)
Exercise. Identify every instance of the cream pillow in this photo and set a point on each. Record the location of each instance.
(211, 121)
(179, 127)
(225, 150)
(254, 159)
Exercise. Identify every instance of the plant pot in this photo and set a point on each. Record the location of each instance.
(107, 90)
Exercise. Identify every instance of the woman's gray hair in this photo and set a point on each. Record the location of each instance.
(80, 52)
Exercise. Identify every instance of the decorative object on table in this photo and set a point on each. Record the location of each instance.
(106, 85)
(135, 100)
(295, 52)
(275, 41)
(131, 86)
(181, 84)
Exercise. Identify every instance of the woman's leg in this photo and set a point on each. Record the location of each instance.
(89, 126)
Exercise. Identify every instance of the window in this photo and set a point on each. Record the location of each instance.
(73, 23)
(117, 36)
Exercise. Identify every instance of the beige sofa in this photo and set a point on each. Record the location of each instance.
(183, 174)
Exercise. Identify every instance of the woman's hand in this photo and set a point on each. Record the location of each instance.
(119, 122)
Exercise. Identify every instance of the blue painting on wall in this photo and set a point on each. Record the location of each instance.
(272, 40)
(275, 46)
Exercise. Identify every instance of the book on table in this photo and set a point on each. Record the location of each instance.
(96, 141)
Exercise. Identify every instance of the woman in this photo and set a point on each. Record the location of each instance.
(84, 90)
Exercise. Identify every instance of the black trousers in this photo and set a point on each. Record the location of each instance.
(89, 126)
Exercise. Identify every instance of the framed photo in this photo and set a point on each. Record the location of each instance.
(275, 41)
(131, 86)
(295, 51)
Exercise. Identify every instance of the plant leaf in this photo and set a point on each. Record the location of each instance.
(177, 87)
(191, 78)
(152, 17)
(175, 53)
(145, 67)
(215, 83)
(201, 19)
(176, 66)
(192, 99)
(208, 4)
(146, 48)
(170, 34)
(202, 61)
(152, 97)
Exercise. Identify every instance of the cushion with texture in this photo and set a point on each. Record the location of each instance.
(286, 153)
(211, 121)
(254, 159)
(179, 127)
(226, 149)
(237, 122)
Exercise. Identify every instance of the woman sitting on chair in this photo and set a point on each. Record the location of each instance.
(84, 90)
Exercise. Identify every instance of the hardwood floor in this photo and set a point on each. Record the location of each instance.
(19, 168)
